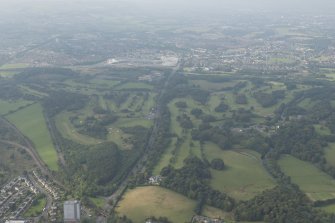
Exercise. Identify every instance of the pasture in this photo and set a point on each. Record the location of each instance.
(30, 121)
(316, 184)
(243, 176)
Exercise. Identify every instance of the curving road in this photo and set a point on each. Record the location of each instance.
(31, 152)
(30, 149)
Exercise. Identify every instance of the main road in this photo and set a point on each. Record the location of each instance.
(139, 166)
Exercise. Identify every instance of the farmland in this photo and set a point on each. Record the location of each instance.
(32, 118)
(316, 184)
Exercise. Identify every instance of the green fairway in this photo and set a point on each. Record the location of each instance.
(243, 177)
(210, 86)
(8, 106)
(330, 154)
(14, 66)
(33, 92)
(183, 153)
(331, 76)
(316, 184)
(329, 208)
(322, 130)
(68, 131)
(30, 121)
(119, 137)
(281, 60)
(175, 127)
(149, 103)
(143, 202)
(131, 122)
(134, 85)
(306, 103)
(165, 159)
(7, 74)
(104, 82)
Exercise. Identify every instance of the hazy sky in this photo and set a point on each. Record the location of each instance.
(273, 5)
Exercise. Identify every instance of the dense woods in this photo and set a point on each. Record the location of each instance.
(191, 180)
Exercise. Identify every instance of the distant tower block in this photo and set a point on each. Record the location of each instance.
(71, 211)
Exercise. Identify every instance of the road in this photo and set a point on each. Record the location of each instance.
(48, 197)
(33, 155)
(139, 166)
(28, 147)
(55, 141)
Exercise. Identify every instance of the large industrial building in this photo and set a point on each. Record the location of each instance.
(71, 211)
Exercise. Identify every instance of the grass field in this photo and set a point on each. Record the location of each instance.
(68, 131)
(330, 154)
(149, 104)
(329, 208)
(104, 82)
(307, 103)
(316, 184)
(210, 86)
(7, 106)
(165, 159)
(143, 202)
(14, 66)
(322, 130)
(281, 60)
(131, 122)
(33, 92)
(30, 121)
(36, 209)
(183, 153)
(134, 85)
(244, 177)
(7, 74)
(174, 126)
(119, 137)
(331, 76)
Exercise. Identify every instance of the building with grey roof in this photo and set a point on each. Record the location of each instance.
(71, 211)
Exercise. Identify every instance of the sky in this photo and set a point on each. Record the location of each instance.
(178, 9)
(197, 5)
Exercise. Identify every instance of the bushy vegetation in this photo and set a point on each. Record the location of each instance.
(191, 179)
